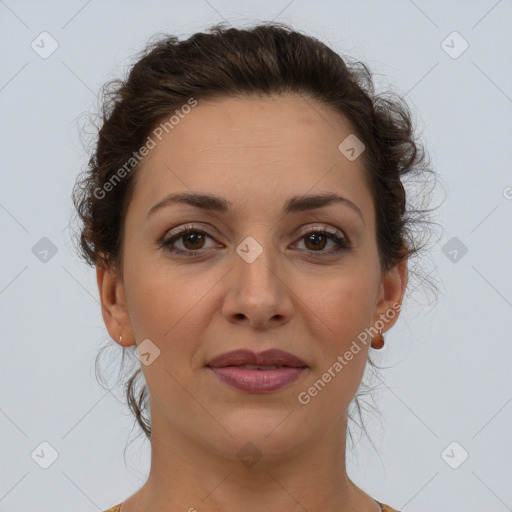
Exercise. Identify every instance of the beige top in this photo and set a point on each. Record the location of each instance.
(385, 508)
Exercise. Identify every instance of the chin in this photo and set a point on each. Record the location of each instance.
(275, 434)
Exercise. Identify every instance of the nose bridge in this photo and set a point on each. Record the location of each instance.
(256, 262)
(256, 291)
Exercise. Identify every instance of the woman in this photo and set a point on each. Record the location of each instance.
(245, 213)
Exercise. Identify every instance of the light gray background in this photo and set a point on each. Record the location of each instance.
(450, 362)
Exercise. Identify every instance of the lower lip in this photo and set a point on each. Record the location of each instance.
(258, 381)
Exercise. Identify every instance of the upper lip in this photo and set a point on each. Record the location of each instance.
(271, 357)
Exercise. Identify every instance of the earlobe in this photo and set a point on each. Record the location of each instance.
(113, 305)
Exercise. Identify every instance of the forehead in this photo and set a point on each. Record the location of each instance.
(255, 148)
(293, 125)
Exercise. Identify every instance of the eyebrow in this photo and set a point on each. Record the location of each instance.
(221, 205)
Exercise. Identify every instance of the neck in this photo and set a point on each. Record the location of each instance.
(187, 475)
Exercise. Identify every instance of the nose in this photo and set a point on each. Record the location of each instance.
(258, 294)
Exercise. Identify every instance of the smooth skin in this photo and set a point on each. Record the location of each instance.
(297, 295)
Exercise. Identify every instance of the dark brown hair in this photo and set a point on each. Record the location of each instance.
(266, 59)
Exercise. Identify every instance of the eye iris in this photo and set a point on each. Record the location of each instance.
(315, 239)
(195, 238)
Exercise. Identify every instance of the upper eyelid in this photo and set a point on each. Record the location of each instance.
(305, 229)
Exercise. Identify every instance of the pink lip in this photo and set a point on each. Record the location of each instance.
(258, 381)
(230, 369)
(269, 357)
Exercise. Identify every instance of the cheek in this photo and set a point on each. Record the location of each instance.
(162, 299)
(169, 311)
(344, 302)
(345, 312)
(170, 308)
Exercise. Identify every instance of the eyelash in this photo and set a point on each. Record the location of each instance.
(166, 243)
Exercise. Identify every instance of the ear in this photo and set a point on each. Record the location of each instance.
(391, 293)
(113, 305)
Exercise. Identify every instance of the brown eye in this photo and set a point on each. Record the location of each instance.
(317, 241)
(193, 240)
(190, 242)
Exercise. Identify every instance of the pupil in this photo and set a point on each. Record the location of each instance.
(194, 238)
(315, 240)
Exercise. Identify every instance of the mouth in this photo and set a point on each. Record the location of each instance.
(263, 372)
(258, 379)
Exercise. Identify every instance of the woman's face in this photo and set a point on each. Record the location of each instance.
(257, 275)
